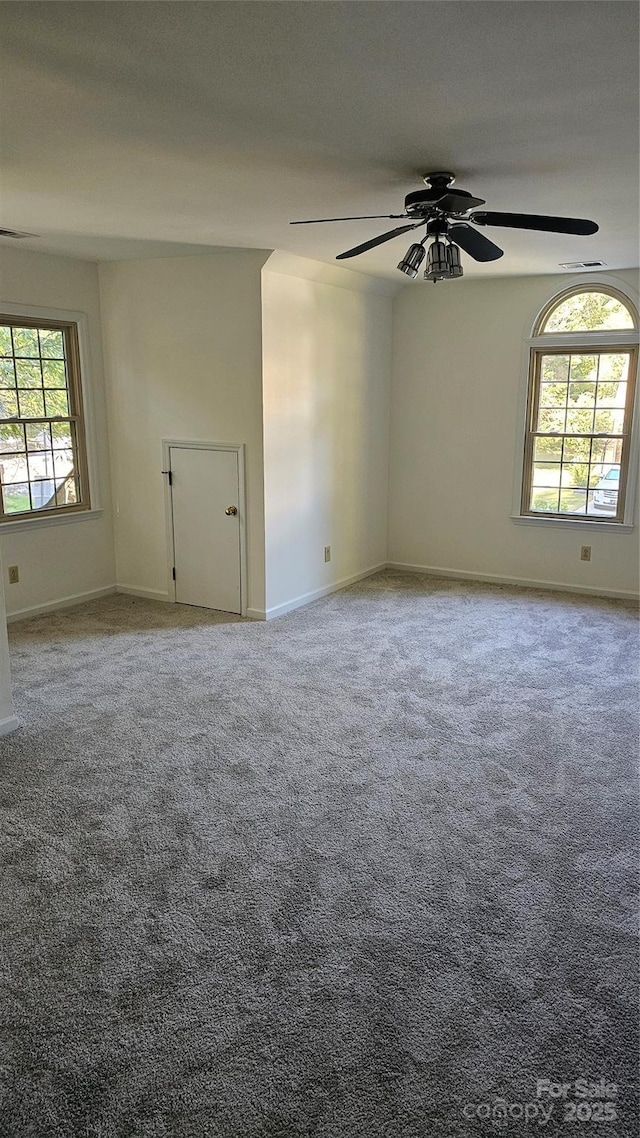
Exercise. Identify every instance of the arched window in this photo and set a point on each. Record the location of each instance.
(582, 375)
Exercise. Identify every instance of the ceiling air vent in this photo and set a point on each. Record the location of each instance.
(584, 265)
(15, 233)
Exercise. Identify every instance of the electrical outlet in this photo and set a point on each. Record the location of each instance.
(327, 553)
(585, 553)
(14, 575)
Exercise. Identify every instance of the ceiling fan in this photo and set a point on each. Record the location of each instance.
(446, 213)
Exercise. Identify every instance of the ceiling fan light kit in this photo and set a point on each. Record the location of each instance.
(446, 214)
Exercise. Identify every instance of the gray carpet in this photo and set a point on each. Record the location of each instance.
(357, 873)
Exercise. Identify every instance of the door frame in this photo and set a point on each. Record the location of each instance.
(199, 444)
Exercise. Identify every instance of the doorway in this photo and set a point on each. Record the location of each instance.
(206, 524)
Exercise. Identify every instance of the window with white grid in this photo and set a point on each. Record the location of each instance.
(580, 406)
(43, 465)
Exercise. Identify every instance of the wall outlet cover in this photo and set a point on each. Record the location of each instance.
(585, 553)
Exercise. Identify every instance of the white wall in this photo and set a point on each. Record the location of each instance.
(182, 340)
(457, 381)
(326, 375)
(73, 559)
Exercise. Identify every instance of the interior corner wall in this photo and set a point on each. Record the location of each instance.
(8, 721)
(74, 559)
(326, 376)
(182, 340)
(458, 376)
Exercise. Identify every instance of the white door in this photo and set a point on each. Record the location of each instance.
(205, 503)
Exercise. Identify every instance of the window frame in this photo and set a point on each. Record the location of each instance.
(539, 344)
(90, 507)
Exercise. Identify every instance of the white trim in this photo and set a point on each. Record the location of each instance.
(520, 582)
(8, 725)
(135, 591)
(60, 603)
(314, 595)
(69, 316)
(36, 522)
(200, 444)
(256, 614)
(567, 522)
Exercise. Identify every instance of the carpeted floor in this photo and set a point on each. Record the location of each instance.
(356, 873)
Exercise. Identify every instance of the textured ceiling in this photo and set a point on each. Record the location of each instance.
(154, 128)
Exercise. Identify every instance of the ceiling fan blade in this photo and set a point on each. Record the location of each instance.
(377, 241)
(454, 202)
(475, 244)
(365, 217)
(536, 221)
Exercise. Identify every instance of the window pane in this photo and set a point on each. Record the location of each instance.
(607, 452)
(614, 367)
(549, 420)
(61, 434)
(553, 394)
(40, 464)
(51, 343)
(6, 347)
(575, 474)
(25, 342)
(547, 449)
(580, 422)
(604, 495)
(582, 394)
(589, 312)
(584, 368)
(609, 422)
(611, 395)
(62, 463)
(43, 493)
(54, 373)
(56, 403)
(11, 438)
(8, 404)
(546, 474)
(38, 436)
(576, 450)
(31, 404)
(28, 373)
(13, 467)
(7, 373)
(544, 501)
(573, 502)
(16, 498)
(554, 369)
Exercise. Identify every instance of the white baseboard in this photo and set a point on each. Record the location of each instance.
(314, 595)
(521, 582)
(8, 725)
(60, 603)
(150, 594)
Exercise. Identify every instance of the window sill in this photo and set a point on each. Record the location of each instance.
(49, 520)
(567, 523)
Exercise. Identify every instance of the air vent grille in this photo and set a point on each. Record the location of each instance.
(584, 265)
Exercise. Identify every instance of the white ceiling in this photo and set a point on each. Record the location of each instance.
(135, 129)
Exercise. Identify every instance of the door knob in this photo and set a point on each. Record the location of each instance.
(231, 511)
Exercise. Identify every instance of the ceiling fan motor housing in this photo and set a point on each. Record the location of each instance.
(420, 203)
